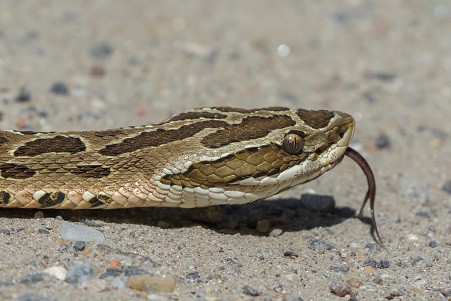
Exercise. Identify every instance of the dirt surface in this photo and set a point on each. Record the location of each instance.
(104, 64)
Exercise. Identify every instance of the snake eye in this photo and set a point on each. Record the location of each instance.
(293, 144)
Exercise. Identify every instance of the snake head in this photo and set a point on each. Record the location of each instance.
(260, 153)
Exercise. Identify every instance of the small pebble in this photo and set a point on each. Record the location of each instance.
(262, 226)
(62, 248)
(32, 278)
(353, 297)
(382, 76)
(432, 229)
(291, 254)
(80, 272)
(423, 214)
(193, 276)
(384, 264)
(92, 223)
(5, 231)
(114, 264)
(110, 273)
(369, 270)
(433, 244)
(320, 245)
(250, 291)
(97, 71)
(340, 289)
(355, 246)
(101, 50)
(342, 269)
(383, 141)
(412, 237)
(58, 272)
(24, 95)
(79, 246)
(134, 271)
(353, 282)
(275, 232)
(43, 231)
(415, 260)
(149, 283)
(394, 293)
(319, 203)
(59, 88)
(39, 214)
(72, 231)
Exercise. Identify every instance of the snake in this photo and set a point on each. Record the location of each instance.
(198, 158)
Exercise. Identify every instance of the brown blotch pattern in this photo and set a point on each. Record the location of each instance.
(252, 127)
(91, 171)
(16, 171)
(315, 119)
(57, 144)
(159, 137)
(51, 199)
(197, 115)
(254, 162)
(4, 197)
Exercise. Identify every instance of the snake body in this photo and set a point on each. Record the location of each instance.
(202, 157)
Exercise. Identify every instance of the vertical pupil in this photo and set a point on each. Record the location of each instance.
(293, 144)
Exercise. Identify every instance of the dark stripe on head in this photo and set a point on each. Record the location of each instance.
(159, 137)
(315, 119)
(16, 171)
(57, 144)
(52, 199)
(240, 110)
(250, 128)
(197, 115)
(4, 197)
(91, 171)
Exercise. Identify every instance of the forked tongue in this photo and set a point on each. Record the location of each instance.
(371, 193)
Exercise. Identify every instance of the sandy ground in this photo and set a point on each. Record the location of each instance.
(104, 64)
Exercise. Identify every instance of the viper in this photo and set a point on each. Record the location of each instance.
(202, 157)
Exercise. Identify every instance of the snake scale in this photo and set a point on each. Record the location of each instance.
(202, 157)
